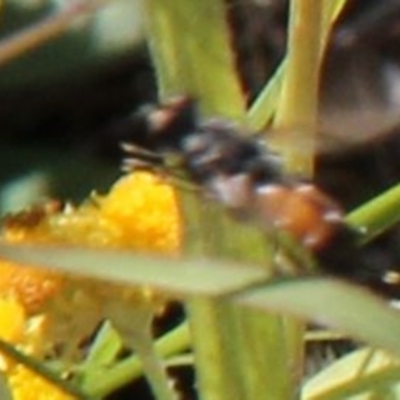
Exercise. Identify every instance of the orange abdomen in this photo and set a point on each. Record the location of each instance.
(302, 210)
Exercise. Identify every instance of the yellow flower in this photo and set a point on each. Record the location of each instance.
(26, 385)
(140, 212)
(30, 287)
(145, 210)
(12, 320)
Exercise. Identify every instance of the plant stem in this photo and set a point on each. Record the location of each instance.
(297, 111)
(243, 354)
(105, 381)
(264, 107)
(377, 215)
(45, 30)
(218, 372)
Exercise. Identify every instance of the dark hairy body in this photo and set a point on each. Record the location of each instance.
(247, 177)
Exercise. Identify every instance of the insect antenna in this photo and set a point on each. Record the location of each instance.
(141, 153)
(142, 159)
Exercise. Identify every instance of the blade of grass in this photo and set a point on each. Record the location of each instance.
(247, 347)
(272, 358)
(178, 277)
(263, 109)
(216, 349)
(105, 348)
(349, 309)
(190, 48)
(138, 336)
(362, 371)
(377, 215)
(102, 382)
(297, 110)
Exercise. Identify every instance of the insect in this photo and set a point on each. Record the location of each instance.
(247, 177)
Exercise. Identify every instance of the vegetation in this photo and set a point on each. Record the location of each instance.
(246, 328)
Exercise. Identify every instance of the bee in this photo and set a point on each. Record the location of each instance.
(241, 172)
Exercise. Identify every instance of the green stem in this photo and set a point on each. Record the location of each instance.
(242, 353)
(104, 381)
(154, 371)
(377, 215)
(297, 111)
(215, 350)
(264, 107)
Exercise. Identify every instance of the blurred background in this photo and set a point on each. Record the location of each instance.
(68, 72)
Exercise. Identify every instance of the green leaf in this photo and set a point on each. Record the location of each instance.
(377, 215)
(350, 309)
(264, 106)
(177, 277)
(366, 370)
(190, 48)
